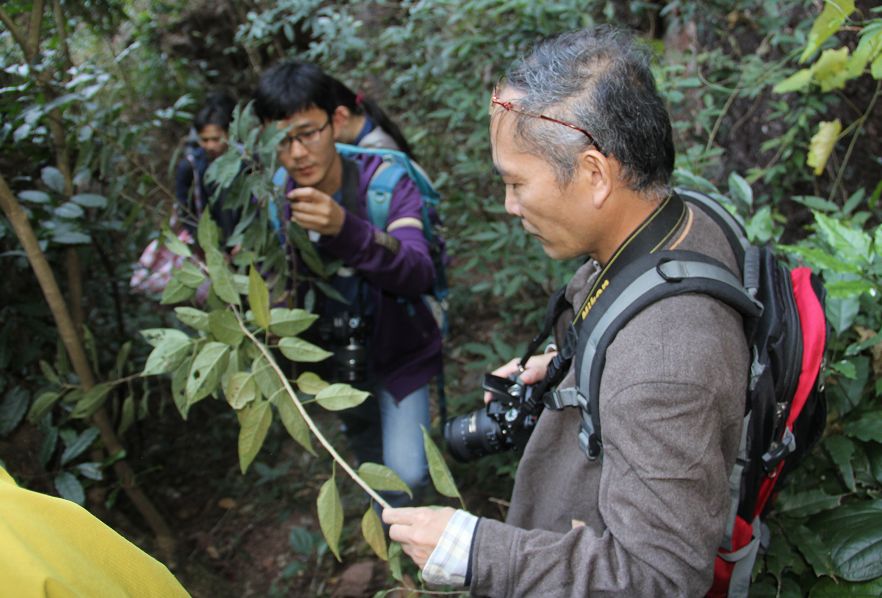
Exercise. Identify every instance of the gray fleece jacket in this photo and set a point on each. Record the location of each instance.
(645, 520)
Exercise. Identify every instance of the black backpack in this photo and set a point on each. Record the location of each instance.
(786, 329)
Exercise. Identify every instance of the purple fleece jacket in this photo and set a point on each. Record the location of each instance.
(405, 343)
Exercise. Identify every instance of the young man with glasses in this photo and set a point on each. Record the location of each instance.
(583, 144)
(383, 274)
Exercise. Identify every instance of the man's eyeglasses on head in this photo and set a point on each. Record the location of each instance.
(508, 106)
(307, 138)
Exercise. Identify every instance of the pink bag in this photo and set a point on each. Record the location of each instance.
(156, 265)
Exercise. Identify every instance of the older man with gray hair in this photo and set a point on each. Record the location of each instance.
(583, 143)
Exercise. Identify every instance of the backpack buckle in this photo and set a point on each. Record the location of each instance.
(778, 451)
(671, 270)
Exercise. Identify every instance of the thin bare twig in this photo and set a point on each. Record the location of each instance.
(862, 120)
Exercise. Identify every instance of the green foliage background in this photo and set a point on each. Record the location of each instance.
(756, 90)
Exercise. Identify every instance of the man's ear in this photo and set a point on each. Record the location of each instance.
(340, 117)
(598, 173)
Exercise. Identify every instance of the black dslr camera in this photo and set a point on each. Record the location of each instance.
(346, 336)
(506, 422)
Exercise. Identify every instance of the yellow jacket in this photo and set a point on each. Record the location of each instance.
(53, 547)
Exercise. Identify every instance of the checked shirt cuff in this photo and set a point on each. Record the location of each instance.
(449, 563)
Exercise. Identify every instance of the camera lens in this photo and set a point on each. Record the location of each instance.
(472, 436)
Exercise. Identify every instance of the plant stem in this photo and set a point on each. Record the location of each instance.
(309, 422)
(860, 127)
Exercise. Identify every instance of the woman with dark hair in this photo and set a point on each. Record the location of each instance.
(211, 124)
(365, 123)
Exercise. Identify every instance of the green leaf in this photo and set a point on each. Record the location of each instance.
(69, 487)
(740, 190)
(266, 378)
(310, 383)
(13, 408)
(330, 292)
(155, 336)
(330, 512)
(795, 82)
(221, 278)
(293, 420)
(41, 405)
(92, 400)
(122, 358)
(173, 243)
(812, 548)
(258, 298)
(189, 275)
(91, 470)
(53, 178)
(306, 249)
(815, 203)
(71, 238)
(832, 588)
(254, 421)
(179, 387)
(47, 446)
(821, 145)
(441, 477)
(851, 243)
(90, 200)
(848, 288)
(299, 350)
(224, 169)
(176, 292)
(868, 428)
(853, 535)
(80, 444)
(192, 317)
(372, 530)
(167, 355)
(68, 210)
(128, 415)
(207, 233)
(380, 477)
(803, 504)
(337, 397)
(831, 69)
(830, 20)
(34, 196)
(240, 390)
(395, 561)
(301, 541)
(205, 371)
(841, 312)
(225, 327)
(841, 450)
(290, 322)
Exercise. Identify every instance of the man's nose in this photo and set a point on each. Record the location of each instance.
(297, 149)
(511, 205)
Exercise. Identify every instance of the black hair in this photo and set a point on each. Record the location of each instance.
(218, 110)
(295, 86)
(291, 87)
(358, 104)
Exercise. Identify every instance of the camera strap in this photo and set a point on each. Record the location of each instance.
(653, 234)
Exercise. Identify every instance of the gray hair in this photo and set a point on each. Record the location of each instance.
(600, 80)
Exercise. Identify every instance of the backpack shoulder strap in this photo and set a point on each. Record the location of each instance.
(745, 252)
(648, 279)
(380, 189)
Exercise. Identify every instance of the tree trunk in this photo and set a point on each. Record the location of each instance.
(68, 332)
